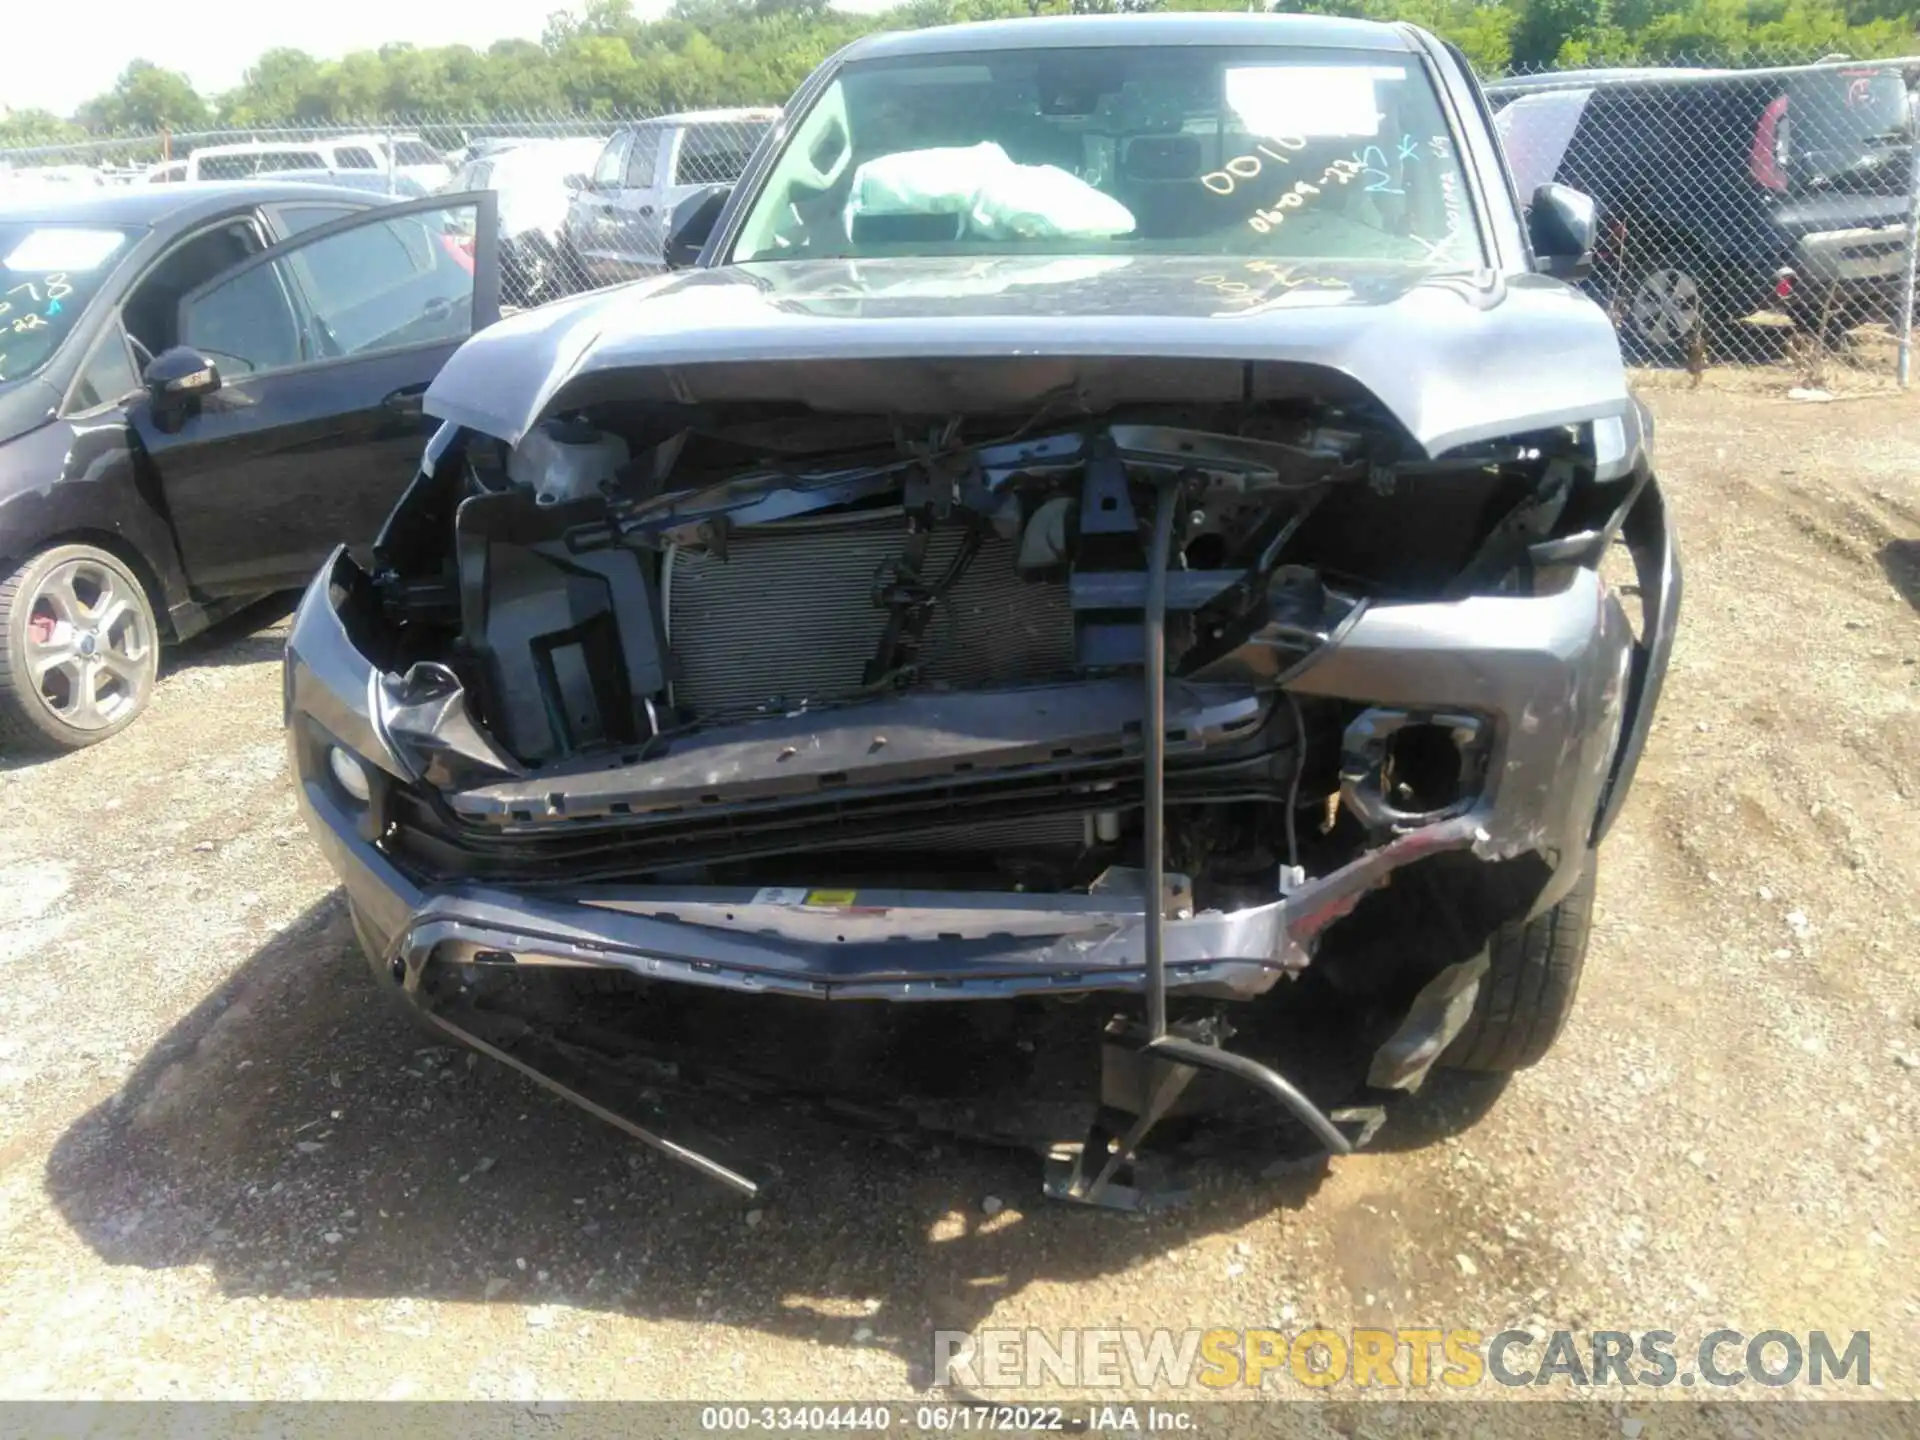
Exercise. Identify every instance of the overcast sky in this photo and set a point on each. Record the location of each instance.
(60, 54)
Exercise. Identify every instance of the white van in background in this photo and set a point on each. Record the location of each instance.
(415, 158)
(405, 155)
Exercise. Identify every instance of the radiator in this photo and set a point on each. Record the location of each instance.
(789, 615)
(1001, 837)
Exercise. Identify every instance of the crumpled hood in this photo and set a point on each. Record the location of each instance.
(1455, 358)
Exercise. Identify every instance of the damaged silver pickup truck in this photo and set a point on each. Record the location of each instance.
(1110, 525)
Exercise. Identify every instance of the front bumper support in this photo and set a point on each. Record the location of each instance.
(894, 945)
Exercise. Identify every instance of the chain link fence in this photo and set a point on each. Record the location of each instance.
(1753, 218)
(1748, 217)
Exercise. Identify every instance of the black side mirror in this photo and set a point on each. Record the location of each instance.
(692, 223)
(1562, 224)
(179, 378)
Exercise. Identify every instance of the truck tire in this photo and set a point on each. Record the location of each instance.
(79, 650)
(1533, 970)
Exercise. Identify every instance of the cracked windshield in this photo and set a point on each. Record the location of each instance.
(1312, 154)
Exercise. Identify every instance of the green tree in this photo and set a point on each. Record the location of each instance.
(1484, 34)
(1543, 26)
(601, 58)
(281, 85)
(23, 128)
(518, 77)
(145, 98)
(605, 19)
(1483, 30)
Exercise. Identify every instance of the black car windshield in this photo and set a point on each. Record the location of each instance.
(1846, 122)
(48, 275)
(1296, 153)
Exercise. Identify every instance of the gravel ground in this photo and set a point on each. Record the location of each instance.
(226, 1171)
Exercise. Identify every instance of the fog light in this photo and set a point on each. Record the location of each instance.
(350, 773)
(1400, 769)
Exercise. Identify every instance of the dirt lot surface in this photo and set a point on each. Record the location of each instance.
(227, 1171)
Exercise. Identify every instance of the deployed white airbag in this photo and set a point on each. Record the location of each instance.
(1000, 199)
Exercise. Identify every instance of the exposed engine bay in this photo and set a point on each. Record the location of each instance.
(755, 698)
(745, 639)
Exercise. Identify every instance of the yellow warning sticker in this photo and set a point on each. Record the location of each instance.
(836, 899)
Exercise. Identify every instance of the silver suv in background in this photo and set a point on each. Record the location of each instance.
(617, 220)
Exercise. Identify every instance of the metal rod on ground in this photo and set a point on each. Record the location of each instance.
(1904, 367)
(1154, 623)
(693, 1159)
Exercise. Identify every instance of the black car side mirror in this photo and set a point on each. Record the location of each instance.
(692, 223)
(1562, 224)
(177, 380)
(176, 376)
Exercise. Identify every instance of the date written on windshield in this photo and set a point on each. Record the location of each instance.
(1229, 177)
(57, 289)
(1340, 172)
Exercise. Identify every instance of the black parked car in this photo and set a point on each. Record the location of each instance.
(1722, 192)
(203, 390)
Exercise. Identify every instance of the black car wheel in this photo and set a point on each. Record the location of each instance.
(79, 650)
(1665, 305)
